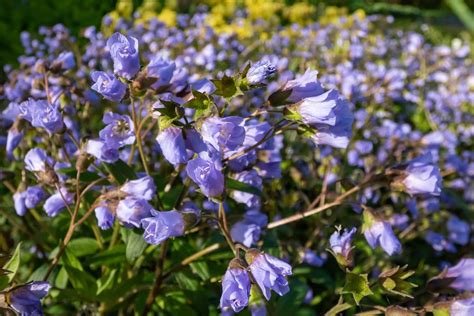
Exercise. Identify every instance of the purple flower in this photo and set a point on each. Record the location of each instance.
(102, 150)
(36, 160)
(206, 173)
(319, 109)
(258, 309)
(304, 86)
(269, 272)
(143, 188)
(259, 72)
(378, 232)
(124, 52)
(131, 211)
(56, 203)
(463, 307)
(459, 230)
(110, 87)
(381, 233)
(33, 196)
(64, 61)
(340, 243)
(19, 203)
(223, 133)
(14, 138)
(245, 232)
(105, 218)
(42, 114)
(26, 299)
(119, 130)
(311, 258)
(339, 134)
(422, 176)
(162, 69)
(172, 145)
(235, 287)
(253, 179)
(462, 275)
(162, 225)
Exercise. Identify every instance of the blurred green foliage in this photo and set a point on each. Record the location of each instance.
(29, 15)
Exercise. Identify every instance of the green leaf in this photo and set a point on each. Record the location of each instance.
(61, 278)
(225, 87)
(357, 285)
(240, 186)
(85, 176)
(185, 282)
(82, 281)
(135, 244)
(106, 281)
(291, 302)
(12, 266)
(114, 255)
(200, 101)
(202, 269)
(393, 281)
(83, 246)
(68, 259)
(337, 309)
(120, 171)
(279, 97)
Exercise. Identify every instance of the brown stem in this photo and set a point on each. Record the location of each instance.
(158, 279)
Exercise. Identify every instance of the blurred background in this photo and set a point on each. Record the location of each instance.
(449, 16)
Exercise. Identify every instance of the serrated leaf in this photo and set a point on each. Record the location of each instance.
(357, 285)
(225, 87)
(11, 266)
(240, 186)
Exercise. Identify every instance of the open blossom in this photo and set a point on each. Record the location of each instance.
(26, 299)
(422, 176)
(245, 232)
(206, 173)
(105, 218)
(42, 114)
(110, 87)
(462, 275)
(223, 133)
(142, 188)
(102, 150)
(130, 211)
(162, 225)
(119, 130)
(269, 272)
(235, 287)
(304, 86)
(379, 232)
(259, 72)
(172, 145)
(36, 160)
(57, 202)
(339, 134)
(319, 109)
(340, 242)
(162, 69)
(463, 307)
(124, 52)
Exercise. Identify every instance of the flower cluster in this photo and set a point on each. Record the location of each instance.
(185, 140)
